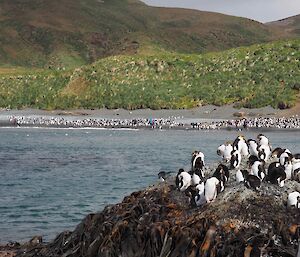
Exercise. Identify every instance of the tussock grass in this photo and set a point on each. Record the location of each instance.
(254, 76)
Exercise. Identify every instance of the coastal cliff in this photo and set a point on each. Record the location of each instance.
(159, 221)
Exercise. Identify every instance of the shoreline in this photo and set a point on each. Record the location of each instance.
(169, 123)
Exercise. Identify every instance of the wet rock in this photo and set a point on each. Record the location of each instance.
(239, 114)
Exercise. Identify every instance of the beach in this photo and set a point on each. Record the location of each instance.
(206, 117)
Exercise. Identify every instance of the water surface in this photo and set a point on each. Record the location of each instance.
(51, 178)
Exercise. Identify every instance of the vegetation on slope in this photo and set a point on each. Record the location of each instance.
(288, 26)
(71, 33)
(255, 76)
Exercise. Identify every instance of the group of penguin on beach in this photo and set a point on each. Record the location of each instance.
(264, 165)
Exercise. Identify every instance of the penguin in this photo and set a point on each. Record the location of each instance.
(191, 192)
(252, 159)
(276, 174)
(222, 173)
(200, 197)
(296, 171)
(293, 200)
(235, 160)
(252, 147)
(262, 140)
(278, 151)
(183, 180)
(220, 150)
(225, 151)
(252, 182)
(198, 162)
(241, 145)
(285, 157)
(258, 169)
(163, 175)
(241, 175)
(264, 152)
(296, 157)
(288, 169)
(197, 177)
(210, 189)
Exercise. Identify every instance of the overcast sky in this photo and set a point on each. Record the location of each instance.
(260, 10)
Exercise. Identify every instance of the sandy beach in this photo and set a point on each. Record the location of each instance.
(204, 112)
(141, 118)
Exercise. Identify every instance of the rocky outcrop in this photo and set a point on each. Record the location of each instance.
(159, 221)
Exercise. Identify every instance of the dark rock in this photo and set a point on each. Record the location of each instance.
(159, 221)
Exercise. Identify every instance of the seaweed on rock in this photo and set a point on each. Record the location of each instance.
(159, 222)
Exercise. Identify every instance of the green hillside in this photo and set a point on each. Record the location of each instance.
(71, 33)
(255, 76)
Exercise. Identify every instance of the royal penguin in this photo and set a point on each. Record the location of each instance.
(163, 175)
(183, 180)
(252, 159)
(199, 198)
(198, 162)
(296, 157)
(276, 174)
(264, 152)
(240, 144)
(252, 182)
(285, 158)
(262, 140)
(293, 200)
(241, 175)
(258, 169)
(235, 160)
(296, 171)
(222, 173)
(288, 169)
(210, 189)
(225, 151)
(253, 147)
(278, 151)
(197, 177)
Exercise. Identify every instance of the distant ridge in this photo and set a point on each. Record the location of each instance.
(70, 33)
(289, 26)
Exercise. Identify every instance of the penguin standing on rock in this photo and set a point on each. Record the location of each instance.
(183, 180)
(196, 195)
(264, 152)
(262, 140)
(235, 160)
(210, 189)
(278, 151)
(252, 147)
(276, 174)
(163, 175)
(225, 151)
(252, 182)
(293, 200)
(222, 173)
(296, 171)
(198, 163)
(241, 145)
(258, 169)
(241, 175)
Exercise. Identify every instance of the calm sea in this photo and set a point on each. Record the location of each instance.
(51, 178)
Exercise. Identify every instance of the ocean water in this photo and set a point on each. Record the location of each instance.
(51, 178)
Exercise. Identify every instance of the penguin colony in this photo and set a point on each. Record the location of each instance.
(264, 165)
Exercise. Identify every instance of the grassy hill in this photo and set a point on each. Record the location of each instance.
(255, 76)
(288, 26)
(70, 33)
